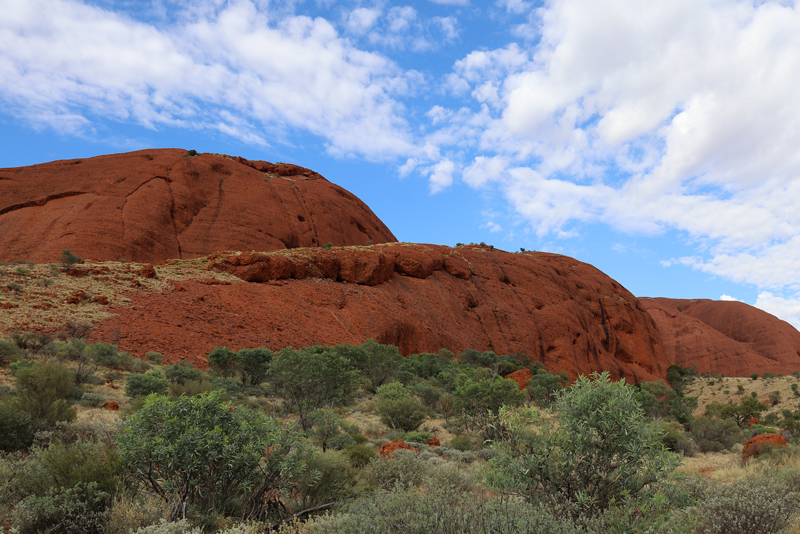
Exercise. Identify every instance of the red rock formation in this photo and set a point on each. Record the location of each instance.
(434, 442)
(753, 447)
(521, 377)
(724, 337)
(390, 446)
(562, 312)
(151, 205)
(110, 405)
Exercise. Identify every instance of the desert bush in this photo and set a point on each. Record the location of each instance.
(329, 477)
(444, 512)
(462, 443)
(405, 414)
(674, 438)
(68, 260)
(131, 511)
(418, 436)
(154, 357)
(93, 399)
(312, 378)
(427, 393)
(9, 352)
(191, 388)
(713, 435)
(449, 476)
(747, 506)
(146, 384)
(600, 451)
(181, 372)
(403, 468)
(543, 386)
(82, 509)
(229, 385)
(253, 365)
(41, 393)
(359, 455)
(16, 430)
(133, 365)
(202, 452)
(223, 361)
(480, 400)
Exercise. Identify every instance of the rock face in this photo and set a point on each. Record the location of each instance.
(724, 337)
(151, 205)
(390, 446)
(421, 298)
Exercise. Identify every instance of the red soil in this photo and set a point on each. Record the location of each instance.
(390, 446)
(521, 377)
(152, 205)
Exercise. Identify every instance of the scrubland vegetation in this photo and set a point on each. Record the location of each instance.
(289, 442)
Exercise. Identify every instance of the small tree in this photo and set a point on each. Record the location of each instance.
(398, 409)
(254, 365)
(223, 361)
(312, 379)
(68, 260)
(480, 400)
(601, 450)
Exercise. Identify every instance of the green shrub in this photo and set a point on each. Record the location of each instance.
(405, 414)
(176, 527)
(223, 361)
(16, 430)
(229, 385)
(181, 372)
(674, 438)
(93, 399)
(82, 509)
(9, 352)
(253, 365)
(768, 375)
(359, 438)
(144, 385)
(462, 443)
(68, 260)
(359, 455)
(41, 393)
(707, 431)
(192, 388)
(747, 506)
(418, 437)
(602, 449)
(329, 477)
(232, 462)
(154, 357)
(404, 468)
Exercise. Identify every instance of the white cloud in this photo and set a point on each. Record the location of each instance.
(451, 2)
(647, 115)
(492, 227)
(484, 170)
(360, 20)
(441, 175)
(66, 63)
(787, 309)
(728, 298)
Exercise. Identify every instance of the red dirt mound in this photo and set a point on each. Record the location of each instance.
(724, 337)
(390, 446)
(421, 298)
(753, 447)
(152, 205)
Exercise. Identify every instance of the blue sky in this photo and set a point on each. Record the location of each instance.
(655, 139)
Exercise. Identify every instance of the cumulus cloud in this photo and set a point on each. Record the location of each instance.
(787, 309)
(441, 175)
(647, 115)
(231, 68)
(728, 298)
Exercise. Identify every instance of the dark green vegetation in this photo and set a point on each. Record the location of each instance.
(265, 440)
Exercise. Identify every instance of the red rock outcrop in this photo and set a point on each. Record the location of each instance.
(434, 442)
(390, 446)
(151, 205)
(733, 338)
(753, 447)
(421, 298)
(521, 377)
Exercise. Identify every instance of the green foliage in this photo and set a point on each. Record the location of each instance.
(68, 260)
(741, 413)
(707, 432)
(201, 451)
(417, 437)
(748, 506)
(681, 407)
(254, 365)
(9, 352)
(768, 375)
(398, 409)
(191, 153)
(601, 450)
(404, 468)
(146, 384)
(675, 439)
(329, 478)
(480, 400)
(94, 400)
(359, 455)
(442, 512)
(326, 427)
(462, 443)
(182, 372)
(81, 509)
(427, 393)
(41, 393)
(312, 378)
(543, 387)
(223, 361)
(16, 430)
(154, 357)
